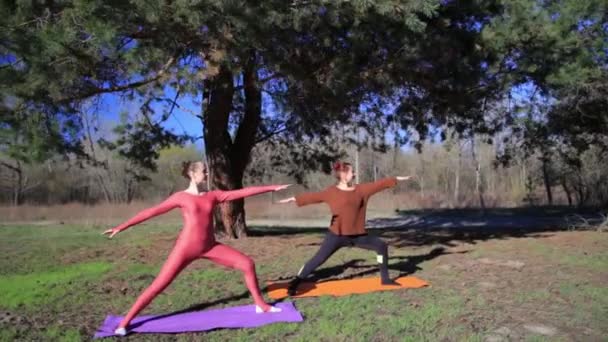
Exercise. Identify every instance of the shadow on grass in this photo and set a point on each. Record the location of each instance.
(262, 231)
(417, 228)
(448, 227)
(539, 211)
(405, 265)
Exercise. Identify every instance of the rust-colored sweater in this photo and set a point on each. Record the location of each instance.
(347, 207)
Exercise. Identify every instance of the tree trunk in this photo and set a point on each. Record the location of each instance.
(477, 174)
(375, 172)
(524, 174)
(245, 138)
(357, 172)
(228, 159)
(17, 192)
(230, 218)
(394, 168)
(218, 143)
(580, 188)
(14, 180)
(357, 149)
(567, 191)
(446, 180)
(102, 185)
(421, 178)
(457, 178)
(96, 170)
(130, 191)
(18, 187)
(546, 180)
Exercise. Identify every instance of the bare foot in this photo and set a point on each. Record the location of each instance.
(390, 282)
(266, 308)
(120, 331)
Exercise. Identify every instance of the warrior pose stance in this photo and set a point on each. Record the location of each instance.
(196, 239)
(347, 205)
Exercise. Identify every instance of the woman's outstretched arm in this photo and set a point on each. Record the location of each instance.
(231, 195)
(170, 203)
(306, 198)
(372, 188)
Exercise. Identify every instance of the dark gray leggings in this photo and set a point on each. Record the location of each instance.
(333, 242)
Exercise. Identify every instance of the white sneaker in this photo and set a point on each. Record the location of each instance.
(272, 309)
(120, 331)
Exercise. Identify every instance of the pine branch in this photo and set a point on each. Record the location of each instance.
(275, 132)
(9, 166)
(98, 91)
(183, 109)
(262, 81)
(11, 64)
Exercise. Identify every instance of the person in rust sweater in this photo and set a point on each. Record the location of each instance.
(347, 204)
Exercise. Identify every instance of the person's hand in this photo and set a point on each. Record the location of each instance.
(404, 178)
(287, 200)
(111, 232)
(282, 187)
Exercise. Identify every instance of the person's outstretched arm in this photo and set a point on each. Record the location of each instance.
(231, 195)
(371, 188)
(170, 203)
(306, 198)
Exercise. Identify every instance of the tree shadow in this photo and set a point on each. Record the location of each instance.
(449, 227)
(534, 211)
(406, 265)
(262, 231)
(418, 228)
(455, 237)
(409, 264)
(530, 219)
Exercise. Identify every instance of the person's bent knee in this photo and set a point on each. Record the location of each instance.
(246, 265)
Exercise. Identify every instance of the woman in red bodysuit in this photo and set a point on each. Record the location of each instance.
(196, 239)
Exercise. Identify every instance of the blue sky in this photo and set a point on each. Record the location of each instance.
(180, 122)
(184, 121)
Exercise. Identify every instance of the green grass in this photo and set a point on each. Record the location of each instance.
(573, 258)
(40, 288)
(528, 296)
(65, 279)
(577, 259)
(589, 302)
(537, 338)
(29, 249)
(63, 335)
(8, 333)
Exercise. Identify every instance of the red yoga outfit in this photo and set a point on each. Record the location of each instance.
(196, 240)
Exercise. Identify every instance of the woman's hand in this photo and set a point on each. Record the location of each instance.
(404, 178)
(111, 232)
(287, 200)
(282, 187)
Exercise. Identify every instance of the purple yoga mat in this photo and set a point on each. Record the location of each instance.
(235, 317)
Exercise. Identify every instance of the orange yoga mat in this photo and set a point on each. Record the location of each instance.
(343, 287)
